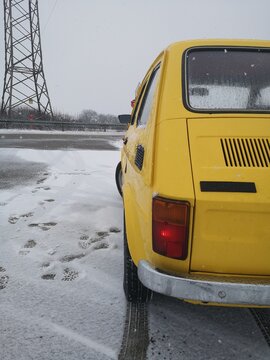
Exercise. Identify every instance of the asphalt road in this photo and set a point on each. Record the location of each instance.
(45, 141)
(15, 171)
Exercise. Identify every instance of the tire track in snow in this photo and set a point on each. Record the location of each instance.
(135, 338)
(262, 318)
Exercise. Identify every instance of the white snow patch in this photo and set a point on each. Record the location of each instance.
(61, 251)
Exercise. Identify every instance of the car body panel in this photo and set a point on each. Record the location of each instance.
(137, 193)
(231, 229)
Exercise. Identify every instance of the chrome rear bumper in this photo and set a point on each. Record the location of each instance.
(237, 293)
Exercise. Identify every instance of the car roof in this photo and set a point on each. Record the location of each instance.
(217, 42)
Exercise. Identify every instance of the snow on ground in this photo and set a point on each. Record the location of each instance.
(61, 257)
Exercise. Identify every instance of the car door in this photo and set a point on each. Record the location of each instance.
(137, 168)
(137, 146)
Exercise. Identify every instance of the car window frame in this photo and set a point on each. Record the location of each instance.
(137, 106)
(143, 95)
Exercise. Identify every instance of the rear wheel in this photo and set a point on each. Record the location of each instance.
(135, 291)
(118, 178)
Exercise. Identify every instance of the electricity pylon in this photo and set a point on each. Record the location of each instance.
(24, 81)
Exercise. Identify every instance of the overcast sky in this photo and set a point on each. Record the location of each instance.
(95, 52)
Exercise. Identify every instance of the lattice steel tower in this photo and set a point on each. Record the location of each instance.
(24, 82)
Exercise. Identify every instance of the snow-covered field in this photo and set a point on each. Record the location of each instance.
(61, 257)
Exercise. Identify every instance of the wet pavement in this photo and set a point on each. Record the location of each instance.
(16, 172)
(45, 141)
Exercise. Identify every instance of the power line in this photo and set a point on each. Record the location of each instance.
(49, 17)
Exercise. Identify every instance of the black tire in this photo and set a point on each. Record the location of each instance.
(134, 290)
(118, 178)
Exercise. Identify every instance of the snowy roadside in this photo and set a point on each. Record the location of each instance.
(58, 132)
(61, 258)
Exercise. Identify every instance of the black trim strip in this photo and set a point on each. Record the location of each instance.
(228, 186)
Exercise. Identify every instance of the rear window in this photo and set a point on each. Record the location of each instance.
(227, 79)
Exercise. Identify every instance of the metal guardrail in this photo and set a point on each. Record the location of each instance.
(58, 125)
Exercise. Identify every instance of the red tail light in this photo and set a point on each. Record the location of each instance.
(170, 228)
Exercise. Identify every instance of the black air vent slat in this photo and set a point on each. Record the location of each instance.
(139, 157)
(224, 152)
(264, 155)
(254, 153)
(246, 152)
(233, 151)
(264, 141)
(242, 152)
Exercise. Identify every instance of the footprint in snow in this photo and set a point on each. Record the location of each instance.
(102, 234)
(30, 244)
(43, 226)
(101, 245)
(114, 229)
(45, 265)
(45, 176)
(84, 237)
(70, 274)
(40, 181)
(69, 258)
(14, 218)
(27, 215)
(85, 241)
(48, 276)
(24, 252)
(3, 279)
(41, 187)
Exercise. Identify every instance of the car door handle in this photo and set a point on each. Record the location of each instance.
(125, 140)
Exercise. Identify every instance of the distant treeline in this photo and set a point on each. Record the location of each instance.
(25, 118)
(86, 116)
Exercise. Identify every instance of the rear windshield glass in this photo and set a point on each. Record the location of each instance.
(228, 79)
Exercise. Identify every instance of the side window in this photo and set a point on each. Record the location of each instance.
(147, 100)
(137, 106)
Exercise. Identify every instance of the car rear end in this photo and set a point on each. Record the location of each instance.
(211, 190)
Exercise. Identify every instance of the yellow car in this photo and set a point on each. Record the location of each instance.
(195, 176)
